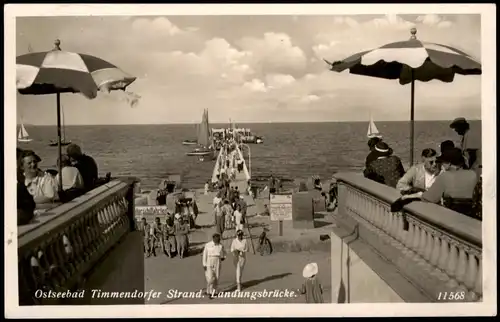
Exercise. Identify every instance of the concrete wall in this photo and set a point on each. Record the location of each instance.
(122, 270)
(353, 281)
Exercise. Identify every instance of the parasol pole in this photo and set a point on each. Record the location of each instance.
(59, 148)
(57, 44)
(412, 118)
(413, 32)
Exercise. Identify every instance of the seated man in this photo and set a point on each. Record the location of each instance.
(420, 177)
(85, 164)
(453, 188)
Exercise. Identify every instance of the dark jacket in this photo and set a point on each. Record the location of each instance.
(25, 203)
(88, 169)
(387, 171)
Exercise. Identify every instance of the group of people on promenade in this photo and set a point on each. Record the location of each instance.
(172, 236)
(451, 179)
(40, 189)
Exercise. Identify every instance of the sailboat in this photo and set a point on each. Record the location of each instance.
(191, 142)
(204, 140)
(63, 139)
(372, 130)
(23, 135)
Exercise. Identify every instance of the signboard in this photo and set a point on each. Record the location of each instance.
(150, 212)
(280, 207)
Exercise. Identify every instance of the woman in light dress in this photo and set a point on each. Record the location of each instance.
(41, 185)
(239, 248)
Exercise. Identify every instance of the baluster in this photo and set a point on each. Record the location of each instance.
(422, 238)
(451, 268)
(461, 267)
(107, 218)
(387, 219)
(375, 216)
(380, 216)
(36, 273)
(96, 236)
(69, 251)
(391, 222)
(116, 209)
(416, 240)
(429, 245)
(86, 237)
(444, 253)
(470, 276)
(400, 233)
(408, 242)
(478, 286)
(79, 231)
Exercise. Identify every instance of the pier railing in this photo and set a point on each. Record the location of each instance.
(437, 250)
(63, 247)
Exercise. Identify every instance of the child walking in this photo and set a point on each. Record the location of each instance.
(311, 287)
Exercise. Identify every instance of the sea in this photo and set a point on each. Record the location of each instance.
(291, 151)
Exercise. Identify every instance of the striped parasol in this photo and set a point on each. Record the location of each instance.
(409, 61)
(58, 71)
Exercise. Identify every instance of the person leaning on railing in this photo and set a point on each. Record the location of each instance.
(420, 177)
(455, 186)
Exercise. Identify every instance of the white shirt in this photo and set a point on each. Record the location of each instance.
(43, 187)
(429, 179)
(212, 250)
(71, 178)
(239, 245)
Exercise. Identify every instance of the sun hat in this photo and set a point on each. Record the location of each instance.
(310, 270)
(382, 149)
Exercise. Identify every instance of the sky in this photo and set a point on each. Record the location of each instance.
(249, 68)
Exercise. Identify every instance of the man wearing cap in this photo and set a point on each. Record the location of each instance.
(85, 164)
(213, 255)
(454, 184)
(472, 155)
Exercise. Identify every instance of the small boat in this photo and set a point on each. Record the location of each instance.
(63, 143)
(259, 140)
(204, 139)
(192, 142)
(200, 152)
(373, 132)
(63, 138)
(23, 135)
(189, 142)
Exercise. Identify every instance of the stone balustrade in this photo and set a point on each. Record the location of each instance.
(438, 250)
(64, 245)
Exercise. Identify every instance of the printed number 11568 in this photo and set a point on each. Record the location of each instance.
(451, 296)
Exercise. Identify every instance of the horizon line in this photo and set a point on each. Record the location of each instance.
(248, 122)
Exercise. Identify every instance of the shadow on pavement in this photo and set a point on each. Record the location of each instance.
(319, 223)
(195, 251)
(265, 279)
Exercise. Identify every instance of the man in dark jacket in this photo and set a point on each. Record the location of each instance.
(25, 202)
(85, 164)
